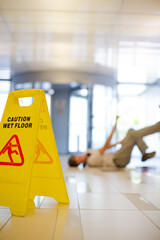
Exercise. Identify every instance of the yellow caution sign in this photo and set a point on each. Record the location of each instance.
(29, 160)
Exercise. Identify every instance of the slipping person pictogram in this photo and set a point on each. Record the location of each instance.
(9, 147)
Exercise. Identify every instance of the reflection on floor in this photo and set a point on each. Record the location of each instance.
(104, 204)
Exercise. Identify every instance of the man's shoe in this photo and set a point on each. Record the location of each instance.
(146, 156)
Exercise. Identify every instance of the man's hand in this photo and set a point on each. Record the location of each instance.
(117, 117)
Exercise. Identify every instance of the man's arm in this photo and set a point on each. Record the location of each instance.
(107, 144)
(112, 145)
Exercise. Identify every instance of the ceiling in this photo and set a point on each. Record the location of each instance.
(94, 36)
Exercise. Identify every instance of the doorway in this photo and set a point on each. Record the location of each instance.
(78, 120)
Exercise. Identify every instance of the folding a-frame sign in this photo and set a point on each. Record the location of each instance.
(29, 161)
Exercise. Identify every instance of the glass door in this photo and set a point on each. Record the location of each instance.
(78, 121)
(103, 112)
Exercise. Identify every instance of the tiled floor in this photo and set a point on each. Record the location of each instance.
(104, 204)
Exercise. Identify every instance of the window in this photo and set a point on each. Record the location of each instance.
(4, 90)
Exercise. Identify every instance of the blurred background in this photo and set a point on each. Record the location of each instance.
(93, 58)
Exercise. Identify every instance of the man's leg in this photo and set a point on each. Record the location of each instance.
(141, 145)
(137, 135)
(122, 156)
(146, 131)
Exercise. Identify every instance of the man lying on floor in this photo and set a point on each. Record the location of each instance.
(100, 158)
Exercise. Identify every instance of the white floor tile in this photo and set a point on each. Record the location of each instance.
(139, 201)
(154, 216)
(101, 185)
(153, 198)
(38, 224)
(104, 201)
(82, 187)
(117, 225)
(133, 185)
(68, 225)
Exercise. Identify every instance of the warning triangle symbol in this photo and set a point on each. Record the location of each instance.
(42, 156)
(14, 152)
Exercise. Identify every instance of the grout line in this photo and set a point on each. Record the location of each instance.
(79, 210)
(107, 209)
(54, 229)
(150, 219)
(81, 223)
(54, 11)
